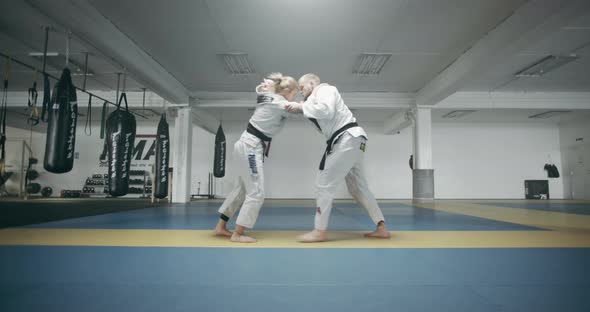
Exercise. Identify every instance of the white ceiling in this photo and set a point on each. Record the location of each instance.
(572, 38)
(21, 33)
(295, 37)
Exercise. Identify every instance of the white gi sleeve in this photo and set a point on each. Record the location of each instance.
(288, 114)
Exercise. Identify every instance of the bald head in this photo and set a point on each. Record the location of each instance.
(307, 83)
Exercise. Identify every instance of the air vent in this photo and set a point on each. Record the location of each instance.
(546, 65)
(549, 114)
(237, 63)
(458, 113)
(370, 63)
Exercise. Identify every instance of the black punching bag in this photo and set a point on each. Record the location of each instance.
(61, 126)
(120, 138)
(162, 159)
(219, 158)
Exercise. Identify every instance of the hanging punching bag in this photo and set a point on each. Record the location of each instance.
(120, 139)
(61, 126)
(219, 158)
(162, 159)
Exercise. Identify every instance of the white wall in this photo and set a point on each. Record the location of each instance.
(575, 152)
(470, 160)
(492, 160)
(295, 154)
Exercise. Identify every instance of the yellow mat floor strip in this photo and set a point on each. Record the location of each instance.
(536, 218)
(286, 239)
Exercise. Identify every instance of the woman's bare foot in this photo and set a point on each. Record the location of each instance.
(313, 237)
(220, 229)
(380, 231)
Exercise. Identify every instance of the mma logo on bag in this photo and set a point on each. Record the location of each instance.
(143, 153)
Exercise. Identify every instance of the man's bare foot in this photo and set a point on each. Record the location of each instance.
(313, 237)
(241, 238)
(380, 232)
(220, 229)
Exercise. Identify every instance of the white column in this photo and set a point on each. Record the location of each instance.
(423, 173)
(181, 179)
(423, 139)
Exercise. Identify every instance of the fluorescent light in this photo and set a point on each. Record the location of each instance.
(40, 54)
(370, 63)
(89, 74)
(457, 113)
(549, 114)
(237, 63)
(546, 65)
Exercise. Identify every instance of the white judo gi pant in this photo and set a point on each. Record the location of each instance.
(248, 192)
(346, 162)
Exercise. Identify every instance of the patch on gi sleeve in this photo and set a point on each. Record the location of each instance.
(252, 164)
(363, 146)
(263, 99)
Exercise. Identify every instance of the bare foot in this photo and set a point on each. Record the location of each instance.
(380, 232)
(241, 238)
(220, 229)
(313, 237)
(222, 232)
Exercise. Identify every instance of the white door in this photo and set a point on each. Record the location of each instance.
(580, 170)
(586, 156)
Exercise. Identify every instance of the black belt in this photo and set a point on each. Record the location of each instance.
(263, 138)
(330, 142)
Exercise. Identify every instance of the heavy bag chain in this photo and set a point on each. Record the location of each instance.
(123, 97)
(46, 86)
(103, 119)
(46, 98)
(69, 36)
(88, 125)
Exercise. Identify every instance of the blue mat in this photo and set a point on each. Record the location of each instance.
(233, 279)
(345, 216)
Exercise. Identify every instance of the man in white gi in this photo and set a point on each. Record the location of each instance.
(249, 151)
(343, 158)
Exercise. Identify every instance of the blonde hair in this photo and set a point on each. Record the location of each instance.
(279, 83)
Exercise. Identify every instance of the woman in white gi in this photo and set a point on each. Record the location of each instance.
(268, 119)
(343, 158)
